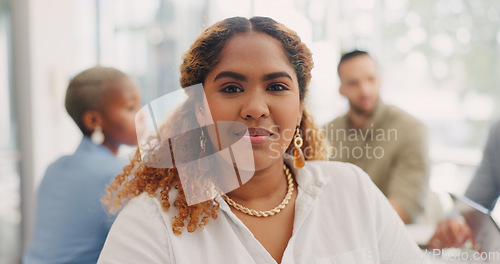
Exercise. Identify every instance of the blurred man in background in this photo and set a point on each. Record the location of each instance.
(386, 142)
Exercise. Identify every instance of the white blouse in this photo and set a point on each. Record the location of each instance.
(340, 217)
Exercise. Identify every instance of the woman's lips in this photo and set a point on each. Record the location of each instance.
(258, 135)
(257, 139)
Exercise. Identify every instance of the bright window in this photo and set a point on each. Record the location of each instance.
(10, 192)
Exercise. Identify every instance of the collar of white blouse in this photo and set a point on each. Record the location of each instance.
(309, 187)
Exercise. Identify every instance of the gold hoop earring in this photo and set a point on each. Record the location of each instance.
(298, 155)
(203, 164)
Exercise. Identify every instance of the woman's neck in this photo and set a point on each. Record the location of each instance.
(112, 147)
(266, 185)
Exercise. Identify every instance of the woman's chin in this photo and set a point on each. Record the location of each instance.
(263, 162)
(263, 158)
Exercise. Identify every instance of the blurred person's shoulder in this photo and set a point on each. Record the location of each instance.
(339, 122)
(495, 128)
(88, 162)
(407, 125)
(399, 116)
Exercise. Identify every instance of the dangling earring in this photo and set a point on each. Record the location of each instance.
(203, 164)
(298, 156)
(97, 136)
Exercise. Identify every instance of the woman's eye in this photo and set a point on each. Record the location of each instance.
(231, 89)
(277, 87)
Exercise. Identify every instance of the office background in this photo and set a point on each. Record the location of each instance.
(440, 61)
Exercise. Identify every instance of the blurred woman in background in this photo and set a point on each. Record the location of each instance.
(71, 225)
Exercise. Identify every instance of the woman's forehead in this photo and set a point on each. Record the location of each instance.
(254, 50)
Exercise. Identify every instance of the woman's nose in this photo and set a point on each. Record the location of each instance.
(254, 106)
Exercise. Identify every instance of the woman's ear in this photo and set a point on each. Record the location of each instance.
(91, 119)
(200, 116)
(202, 112)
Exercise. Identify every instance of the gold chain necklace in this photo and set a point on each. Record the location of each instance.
(271, 212)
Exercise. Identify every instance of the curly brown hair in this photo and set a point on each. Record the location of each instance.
(202, 57)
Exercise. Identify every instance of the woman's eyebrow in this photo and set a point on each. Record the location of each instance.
(275, 75)
(231, 74)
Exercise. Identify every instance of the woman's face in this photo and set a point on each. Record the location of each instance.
(123, 100)
(253, 83)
